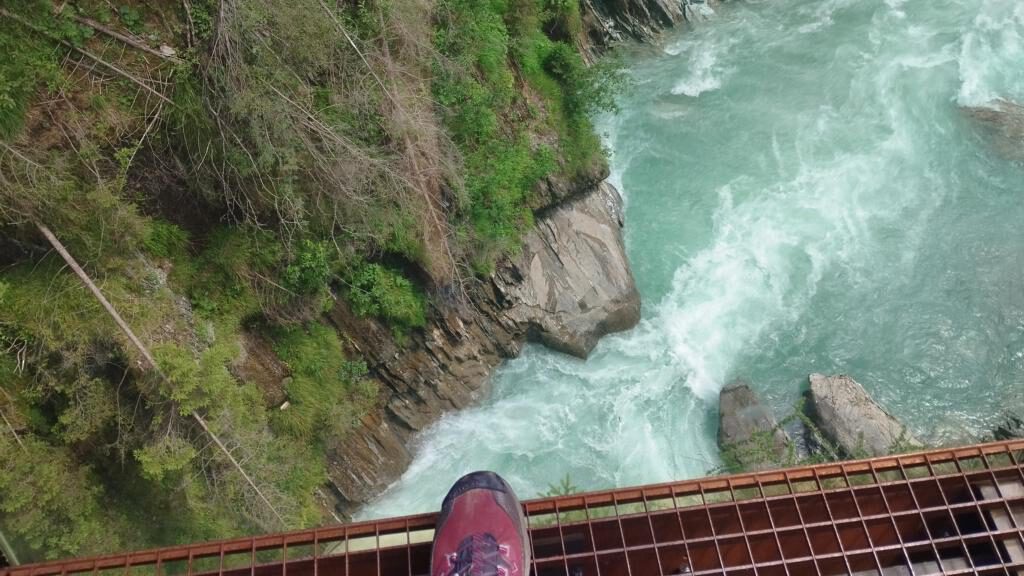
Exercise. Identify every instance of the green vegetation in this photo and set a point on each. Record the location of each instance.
(498, 39)
(760, 449)
(28, 63)
(564, 487)
(165, 240)
(378, 291)
(287, 154)
(327, 394)
(49, 502)
(310, 270)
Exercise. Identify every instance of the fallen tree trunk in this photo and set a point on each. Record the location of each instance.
(150, 363)
(8, 552)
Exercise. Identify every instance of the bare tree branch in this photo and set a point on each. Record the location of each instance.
(88, 55)
(124, 38)
(13, 431)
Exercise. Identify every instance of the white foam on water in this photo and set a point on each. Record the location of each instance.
(705, 75)
(992, 54)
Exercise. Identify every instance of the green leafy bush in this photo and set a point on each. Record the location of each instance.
(167, 456)
(193, 384)
(222, 276)
(131, 18)
(309, 270)
(501, 167)
(378, 291)
(491, 42)
(588, 89)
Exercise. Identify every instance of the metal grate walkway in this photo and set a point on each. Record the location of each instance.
(950, 511)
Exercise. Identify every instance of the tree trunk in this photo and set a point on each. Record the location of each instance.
(5, 547)
(150, 362)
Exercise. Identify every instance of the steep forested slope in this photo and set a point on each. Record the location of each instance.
(226, 172)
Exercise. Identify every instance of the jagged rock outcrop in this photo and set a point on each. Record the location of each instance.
(748, 435)
(570, 285)
(610, 21)
(849, 417)
(1005, 123)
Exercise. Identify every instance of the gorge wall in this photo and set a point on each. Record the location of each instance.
(570, 285)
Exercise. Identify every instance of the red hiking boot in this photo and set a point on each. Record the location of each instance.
(481, 530)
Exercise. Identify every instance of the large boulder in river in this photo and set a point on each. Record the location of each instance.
(748, 435)
(850, 418)
(572, 283)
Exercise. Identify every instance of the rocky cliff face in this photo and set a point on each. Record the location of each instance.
(570, 285)
(611, 21)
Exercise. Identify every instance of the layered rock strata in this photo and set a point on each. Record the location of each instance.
(570, 285)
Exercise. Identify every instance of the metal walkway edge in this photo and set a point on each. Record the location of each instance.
(947, 511)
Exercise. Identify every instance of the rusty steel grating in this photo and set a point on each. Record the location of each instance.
(950, 511)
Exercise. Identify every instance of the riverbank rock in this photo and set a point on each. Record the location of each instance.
(748, 435)
(1004, 120)
(570, 285)
(608, 22)
(850, 418)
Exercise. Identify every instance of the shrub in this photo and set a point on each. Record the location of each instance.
(490, 42)
(327, 392)
(195, 384)
(378, 291)
(51, 503)
(309, 270)
(167, 456)
(164, 240)
(222, 283)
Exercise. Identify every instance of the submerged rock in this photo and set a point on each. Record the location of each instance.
(570, 285)
(1004, 121)
(850, 418)
(1010, 427)
(748, 435)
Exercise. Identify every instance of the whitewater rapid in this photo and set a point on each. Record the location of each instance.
(803, 194)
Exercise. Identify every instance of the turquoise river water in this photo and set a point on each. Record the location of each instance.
(804, 193)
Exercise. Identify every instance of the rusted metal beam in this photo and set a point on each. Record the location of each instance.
(955, 511)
